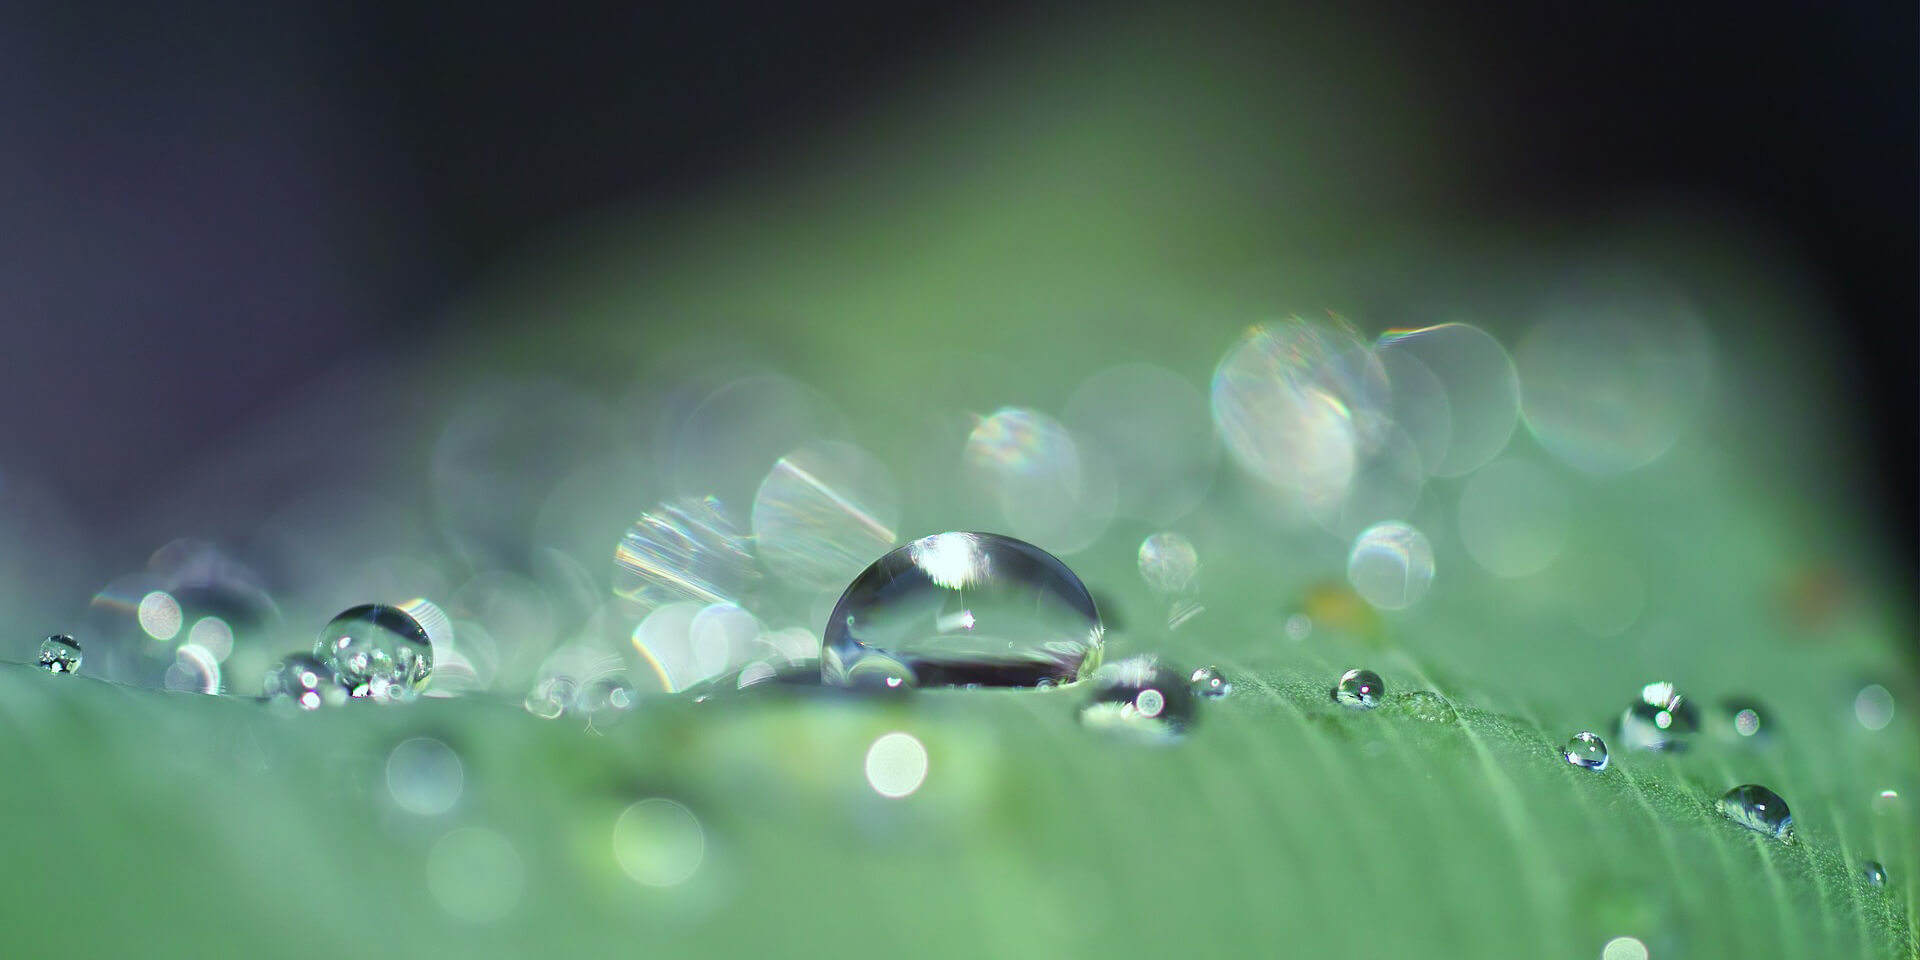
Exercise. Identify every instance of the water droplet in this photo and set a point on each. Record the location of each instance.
(960, 608)
(1141, 696)
(60, 654)
(896, 765)
(305, 680)
(377, 651)
(1743, 720)
(1359, 689)
(552, 696)
(1169, 563)
(1659, 720)
(1427, 707)
(1758, 809)
(1299, 626)
(608, 698)
(1207, 682)
(1391, 565)
(1624, 948)
(684, 550)
(1873, 873)
(1586, 750)
(1873, 707)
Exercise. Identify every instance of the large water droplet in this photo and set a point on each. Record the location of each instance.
(966, 608)
(60, 654)
(1873, 873)
(1660, 720)
(1208, 682)
(1141, 696)
(1586, 750)
(1359, 689)
(305, 680)
(377, 651)
(1758, 809)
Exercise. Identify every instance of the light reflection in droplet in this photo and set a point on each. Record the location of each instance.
(823, 513)
(1390, 566)
(1873, 707)
(475, 874)
(658, 842)
(159, 615)
(896, 765)
(1482, 390)
(1153, 428)
(424, 776)
(1514, 518)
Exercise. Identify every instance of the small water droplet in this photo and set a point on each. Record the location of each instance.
(1660, 720)
(304, 680)
(1872, 872)
(1873, 707)
(1758, 809)
(552, 696)
(60, 654)
(1142, 696)
(1426, 706)
(378, 651)
(1359, 689)
(1743, 720)
(1586, 750)
(961, 608)
(1207, 682)
(1299, 627)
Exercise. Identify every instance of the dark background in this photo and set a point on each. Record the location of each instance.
(202, 203)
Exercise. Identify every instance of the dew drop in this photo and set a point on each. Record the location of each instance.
(965, 608)
(60, 654)
(1427, 707)
(1207, 682)
(378, 651)
(1359, 689)
(1758, 809)
(1872, 872)
(1660, 720)
(1140, 696)
(1586, 750)
(304, 680)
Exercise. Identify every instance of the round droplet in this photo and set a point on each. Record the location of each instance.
(1359, 689)
(304, 680)
(1873, 707)
(1514, 518)
(1207, 682)
(1758, 809)
(553, 696)
(1391, 565)
(1169, 563)
(1586, 750)
(1140, 696)
(961, 608)
(60, 654)
(1478, 379)
(1299, 626)
(377, 651)
(1873, 873)
(823, 513)
(1660, 720)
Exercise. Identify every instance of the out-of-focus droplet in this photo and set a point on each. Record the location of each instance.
(1624, 948)
(659, 843)
(1153, 429)
(1514, 518)
(1873, 707)
(1661, 719)
(1046, 488)
(684, 550)
(475, 874)
(1758, 809)
(896, 765)
(1743, 720)
(1478, 379)
(1169, 563)
(552, 696)
(1210, 683)
(1298, 626)
(1359, 689)
(60, 654)
(1613, 374)
(1391, 565)
(824, 512)
(608, 698)
(1299, 405)
(962, 608)
(377, 651)
(424, 776)
(1873, 873)
(194, 670)
(1139, 696)
(1586, 750)
(1886, 803)
(305, 680)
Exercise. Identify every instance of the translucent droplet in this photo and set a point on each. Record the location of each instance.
(1586, 750)
(1169, 563)
(377, 651)
(1207, 682)
(425, 776)
(960, 608)
(1427, 707)
(305, 680)
(60, 654)
(1481, 387)
(553, 696)
(1624, 948)
(1299, 626)
(1391, 565)
(1758, 809)
(1873, 873)
(1873, 707)
(1140, 696)
(684, 550)
(607, 698)
(1660, 720)
(1359, 689)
